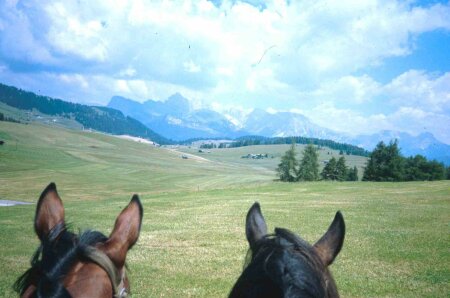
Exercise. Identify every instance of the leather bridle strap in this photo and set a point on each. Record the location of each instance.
(101, 259)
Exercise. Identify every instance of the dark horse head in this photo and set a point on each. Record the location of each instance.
(86, 265)
(284, 265)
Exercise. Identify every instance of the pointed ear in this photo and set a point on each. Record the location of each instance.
(49, 211)
(255, 225)
(125, 233)
(329, 246)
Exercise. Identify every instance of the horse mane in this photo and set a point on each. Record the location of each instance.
(286, 260)
(53, 259)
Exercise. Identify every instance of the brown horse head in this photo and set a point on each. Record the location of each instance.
(86, 265)
(284, 265)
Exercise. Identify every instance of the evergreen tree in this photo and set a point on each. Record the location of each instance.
(352, 174)
(287, 169)
(416, 169)
(341, 169)
(309, 165)
(436, 170)
(329, 171)
(385, 163)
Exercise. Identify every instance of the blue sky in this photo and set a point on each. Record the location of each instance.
(353, 66)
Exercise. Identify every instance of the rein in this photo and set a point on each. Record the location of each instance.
(117, 279)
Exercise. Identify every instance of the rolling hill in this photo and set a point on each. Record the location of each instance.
(192, 240)
(90, 117)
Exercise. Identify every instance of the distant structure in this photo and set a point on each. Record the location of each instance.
(256, 156)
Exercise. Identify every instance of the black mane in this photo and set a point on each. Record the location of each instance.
(53, 260)
(281, 265)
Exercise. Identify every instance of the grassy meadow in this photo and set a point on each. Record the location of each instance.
(192, 242)
(274, 152)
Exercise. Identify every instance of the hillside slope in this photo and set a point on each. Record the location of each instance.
(83, 161)
(98, 118)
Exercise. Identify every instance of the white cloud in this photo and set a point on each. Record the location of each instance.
(128, 72)
(75, 79)
(348, 121)
(303, 52)
(190, 66)
(420, 89)
(348, 89)
(299, 42)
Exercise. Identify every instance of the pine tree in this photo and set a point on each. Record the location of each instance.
(341, 169)
(385, 163)
(329, 171)
(287, 169)
(309, 165)
(352, 174)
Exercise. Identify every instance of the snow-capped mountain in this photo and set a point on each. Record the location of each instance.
(176, 119)
(284, 124)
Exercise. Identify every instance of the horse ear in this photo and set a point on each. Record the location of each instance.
(255, 225)
(125, 233)
(49, 211)
(329, 246)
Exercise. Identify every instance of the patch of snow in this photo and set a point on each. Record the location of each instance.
(136, 139)
(5, 203)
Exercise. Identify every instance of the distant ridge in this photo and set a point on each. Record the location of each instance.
(176, 119)
(92, 117)
(255, 140)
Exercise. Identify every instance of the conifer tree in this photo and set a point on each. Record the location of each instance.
(385, 163)
(341, 169)
(352, 174)
(309, 165)
(287, 169)
(329, 171)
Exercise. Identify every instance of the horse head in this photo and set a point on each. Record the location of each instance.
(284, 265)
(86, 265)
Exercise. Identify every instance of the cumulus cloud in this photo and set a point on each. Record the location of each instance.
(414, 88)
(304, 55)
(419, 103)
(197, 44)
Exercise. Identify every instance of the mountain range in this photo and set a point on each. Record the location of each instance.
(176, 119)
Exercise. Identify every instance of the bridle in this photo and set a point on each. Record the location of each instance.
(117, 279)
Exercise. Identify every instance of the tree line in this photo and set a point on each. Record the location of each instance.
(8, 119)
(290, 169)
(258, 140)
(385, 163)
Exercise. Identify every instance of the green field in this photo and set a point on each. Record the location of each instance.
(192, 241)
(274, 153)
